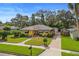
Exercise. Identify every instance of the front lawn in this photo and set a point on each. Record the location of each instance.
(19, 50)
(68, 54)
(38, 41)
(69, 44)
(11, 39)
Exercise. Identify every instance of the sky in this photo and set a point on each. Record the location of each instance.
(9, 10)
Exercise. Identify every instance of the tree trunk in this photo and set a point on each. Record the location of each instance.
(77, 26)
(77, 23)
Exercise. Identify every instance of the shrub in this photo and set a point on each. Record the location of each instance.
(65, 32)
(4, 35)
(1, 34)
(22, 35)
(40, 34)
(17, 34)
(46, 34)
(7, 28)
(49, 35)
(77, 38)
(45, 42)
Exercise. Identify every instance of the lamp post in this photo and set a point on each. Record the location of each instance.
(30, 48)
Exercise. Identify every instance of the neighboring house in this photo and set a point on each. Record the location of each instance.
(1, 27)
(74, 33)
(14, 28)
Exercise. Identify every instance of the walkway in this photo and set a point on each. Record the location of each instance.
(19, 44)
(4, 54)
(22, 45)
(26, 40)
(54, 48)
(68, 51)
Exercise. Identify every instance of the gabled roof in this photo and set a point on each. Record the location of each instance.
(37, 27)
(1, 27)
(14, 27)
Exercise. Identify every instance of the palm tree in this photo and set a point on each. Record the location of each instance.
(74, 10)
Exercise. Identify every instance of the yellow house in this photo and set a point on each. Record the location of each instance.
(35, 29)
(31, 33)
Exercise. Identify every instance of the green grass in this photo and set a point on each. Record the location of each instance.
(38, 41)
(69, 44)
(1, 30)
(10, 39)
(68, 54)
(19, 50)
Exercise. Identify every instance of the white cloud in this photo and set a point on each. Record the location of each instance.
(7, 13)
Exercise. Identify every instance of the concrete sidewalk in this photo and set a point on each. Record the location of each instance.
(21, 44)
(4, 54)
(54, 48)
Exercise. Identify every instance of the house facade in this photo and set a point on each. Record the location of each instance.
(38, 30)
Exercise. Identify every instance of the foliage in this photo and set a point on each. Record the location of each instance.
(65, 32)
(17, 34)
(77, 38)
(4, 35)
(46, 34)
(6, 28)
(33, 19)
(1, 31)
(0, 23)
(74, 10)
(45, 42)
(19, 20)
(59, 19)
(23, 35)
